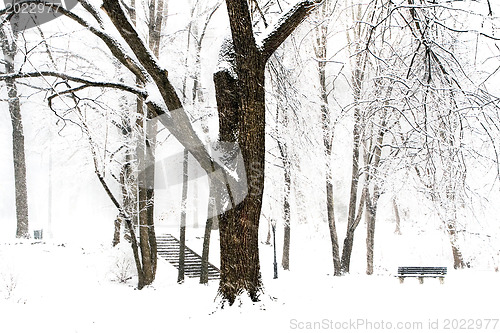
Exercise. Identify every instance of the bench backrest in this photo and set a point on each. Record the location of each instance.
(416, 270)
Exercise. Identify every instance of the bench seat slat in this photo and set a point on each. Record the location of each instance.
(421, 271)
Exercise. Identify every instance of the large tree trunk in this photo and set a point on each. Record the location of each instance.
(240, 95)
(244, 123)
(21, 191)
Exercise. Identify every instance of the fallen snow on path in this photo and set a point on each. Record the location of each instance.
(72, 289)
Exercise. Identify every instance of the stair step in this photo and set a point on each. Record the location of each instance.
(168, 248)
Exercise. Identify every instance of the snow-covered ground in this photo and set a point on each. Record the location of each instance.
(51, 287)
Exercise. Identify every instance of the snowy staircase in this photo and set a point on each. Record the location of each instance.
(169, 248)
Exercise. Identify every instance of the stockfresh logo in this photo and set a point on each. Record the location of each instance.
(26, 14)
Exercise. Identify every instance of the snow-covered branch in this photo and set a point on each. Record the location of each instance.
(88, 83)
(176, 121)
(286, 25)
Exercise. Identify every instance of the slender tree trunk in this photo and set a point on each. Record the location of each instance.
(151, 134)
(116, 233)
(458, 261)
(212, 215)
(19, 161)
(195, 200)
(358, 76)
(371, 213)
(275, 264)
(333, 228)
(18, 153)
(146, 159)
(371, 203)
(142, 179)
(268, 238)
(182, 238)
(327, 128)
(283, 148)
(285, 263)
(357, 80)
(351, 226)
(396, 216)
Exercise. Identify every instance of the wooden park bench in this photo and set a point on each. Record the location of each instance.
(421, 272)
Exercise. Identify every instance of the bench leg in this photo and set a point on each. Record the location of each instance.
(401, 279)
(421, 280)
(441, 280)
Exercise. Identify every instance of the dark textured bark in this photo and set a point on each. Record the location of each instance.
(242, 120)
(285, 262)
(21, 192)
(241, 106)
(117, 231)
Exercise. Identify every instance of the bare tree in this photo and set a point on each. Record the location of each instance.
(9, 49)
(321, 48)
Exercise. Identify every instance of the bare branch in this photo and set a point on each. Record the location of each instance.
(86, 82)
(177, 121)
(92, 10)
(286, 25)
